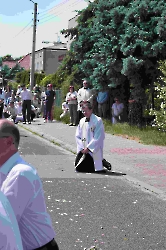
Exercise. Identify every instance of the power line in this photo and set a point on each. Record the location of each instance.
(56, 9)
(56, 6)
(23, 29)
(28, 29)
(71, 5)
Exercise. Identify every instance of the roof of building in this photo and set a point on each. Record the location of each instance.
(24, 62)
(73, 17)
(10, 64)
(23, 58)
(49, 48)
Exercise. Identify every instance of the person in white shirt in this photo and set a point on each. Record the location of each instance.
(19, 89)
(19, 112)
(71, 99)
(65, 108)
(10, 238)
(43, 97)
(21, 184)
(36, 104)
(117, 111)
(26, 97)
(84, 94)
(12, 111)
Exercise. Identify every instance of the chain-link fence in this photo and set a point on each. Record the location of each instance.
(58, 99)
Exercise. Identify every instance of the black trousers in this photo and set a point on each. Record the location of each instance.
(6, 115)
(52, 245)
(1, 110)
(80, 115)
(26, 106)
(87, 165)
(48, 110)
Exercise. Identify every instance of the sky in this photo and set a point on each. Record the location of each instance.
(16, 20)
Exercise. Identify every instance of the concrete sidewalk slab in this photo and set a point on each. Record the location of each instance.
(144, 163)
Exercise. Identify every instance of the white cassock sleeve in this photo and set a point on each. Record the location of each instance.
(80, 145)
(98, 137)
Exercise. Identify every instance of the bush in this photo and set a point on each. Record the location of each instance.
(13, 85)
(160, 111)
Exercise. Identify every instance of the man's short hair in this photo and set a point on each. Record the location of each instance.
(9, 129)
(85, 104)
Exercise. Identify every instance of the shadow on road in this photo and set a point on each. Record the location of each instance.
(116, 173)
(113, 173)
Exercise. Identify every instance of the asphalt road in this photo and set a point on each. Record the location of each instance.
(88, 209)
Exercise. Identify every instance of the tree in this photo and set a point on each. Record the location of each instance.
(7, 58)
(47, 80)
(24, 77)
(159, 110)
(18, 58)
(119, 43)
(13, 71)
(0, 61)
(5, 71)
(68, 70)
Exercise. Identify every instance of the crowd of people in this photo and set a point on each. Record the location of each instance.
(24, 105)
(99, 102)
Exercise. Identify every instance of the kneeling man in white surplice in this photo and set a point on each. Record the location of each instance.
(90, 137)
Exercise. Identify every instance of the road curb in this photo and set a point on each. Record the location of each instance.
(51, 139)
(146, 187)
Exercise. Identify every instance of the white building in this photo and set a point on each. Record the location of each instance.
(71, 24)
(49, 58)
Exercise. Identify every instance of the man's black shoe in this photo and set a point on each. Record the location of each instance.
(24, 122)
(106, 164)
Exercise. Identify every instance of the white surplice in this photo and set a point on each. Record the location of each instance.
(91, 135)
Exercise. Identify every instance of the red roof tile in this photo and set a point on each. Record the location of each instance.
(10, 64)
(25, 62)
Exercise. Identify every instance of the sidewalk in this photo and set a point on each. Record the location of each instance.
(142, 164)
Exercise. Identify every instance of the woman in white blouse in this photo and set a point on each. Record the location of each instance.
(71, 99)
(117, 110)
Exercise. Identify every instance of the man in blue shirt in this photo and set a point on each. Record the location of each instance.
(102, 99)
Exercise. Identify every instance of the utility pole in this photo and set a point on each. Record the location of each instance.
(32, 71)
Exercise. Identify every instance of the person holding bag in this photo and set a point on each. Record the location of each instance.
(71, 99)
